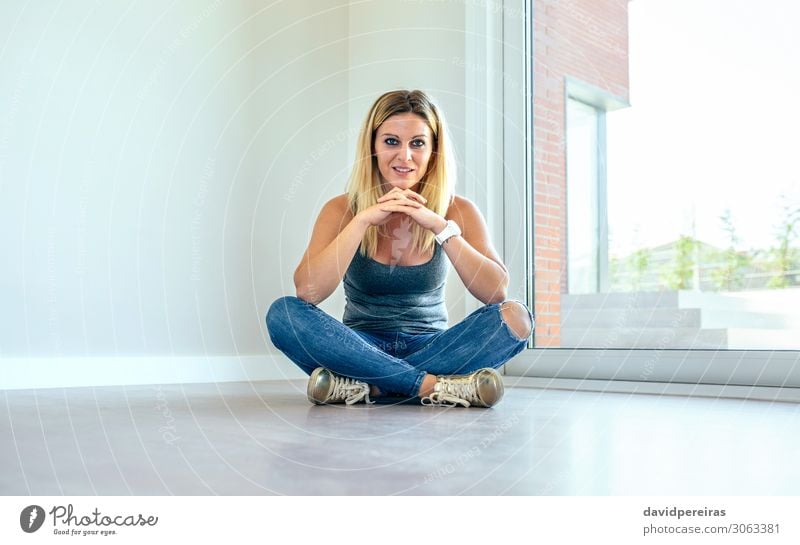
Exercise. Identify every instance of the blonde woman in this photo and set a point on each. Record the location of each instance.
(392, 238)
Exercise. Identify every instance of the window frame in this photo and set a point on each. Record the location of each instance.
(598, 197)
(756, 368)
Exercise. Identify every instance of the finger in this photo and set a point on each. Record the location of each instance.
(403, 202)
(395, 193)
(410, 206)
(394, 197)
(417, 196)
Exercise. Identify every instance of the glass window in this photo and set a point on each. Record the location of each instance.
(582, 207)
(703, 206)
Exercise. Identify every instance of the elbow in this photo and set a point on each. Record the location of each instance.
(499, 294)
(309, 293)
(312, 289)
(497, 297)
(302, 289)
(305, 294)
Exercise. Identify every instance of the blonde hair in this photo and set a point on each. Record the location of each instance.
(437, 185)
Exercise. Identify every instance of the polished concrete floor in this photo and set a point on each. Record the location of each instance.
(264, 438)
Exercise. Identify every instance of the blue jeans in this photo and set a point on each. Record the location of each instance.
(395, 362)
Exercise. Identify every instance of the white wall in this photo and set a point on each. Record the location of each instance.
(411, 45)
(161, 167)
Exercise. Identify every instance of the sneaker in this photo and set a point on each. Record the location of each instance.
(327, 387)
(483, 388)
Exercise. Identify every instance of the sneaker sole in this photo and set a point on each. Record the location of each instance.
(313, 385)
(493, 377)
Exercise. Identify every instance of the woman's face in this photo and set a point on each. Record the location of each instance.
(403, 146)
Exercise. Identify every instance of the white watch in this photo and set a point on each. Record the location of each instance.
(451, 230)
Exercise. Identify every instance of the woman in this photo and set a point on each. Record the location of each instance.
(391, 238)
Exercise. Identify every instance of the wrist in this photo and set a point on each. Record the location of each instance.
(441, 223)
(451, 230)
(361, 222)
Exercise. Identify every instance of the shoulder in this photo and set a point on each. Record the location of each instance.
(339, 202)
(337, 207)
(464, 212)
(334, 215)
(462, 204)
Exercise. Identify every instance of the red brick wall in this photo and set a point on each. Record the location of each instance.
(586, 40)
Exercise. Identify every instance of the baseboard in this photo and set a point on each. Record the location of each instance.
(719, 391)
(34, 373)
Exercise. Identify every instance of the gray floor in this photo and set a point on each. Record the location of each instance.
(264, 438)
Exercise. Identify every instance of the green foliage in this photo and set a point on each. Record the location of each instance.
(729, 276)
(782, 258)
(681, 271)
(640, 261)
(674, 265)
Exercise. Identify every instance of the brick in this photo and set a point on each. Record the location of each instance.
(547, 299)
(548, 232)
(547, 320)
(547, 276)
(587, 40)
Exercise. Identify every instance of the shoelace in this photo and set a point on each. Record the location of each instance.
(351, 390)
(452, 393)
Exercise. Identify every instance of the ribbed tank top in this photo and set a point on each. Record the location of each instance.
(408, 298)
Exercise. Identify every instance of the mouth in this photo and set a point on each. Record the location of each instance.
(403, 171)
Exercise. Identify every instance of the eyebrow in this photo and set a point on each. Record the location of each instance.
(417, 136)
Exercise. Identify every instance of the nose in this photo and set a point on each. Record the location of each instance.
(405, 153)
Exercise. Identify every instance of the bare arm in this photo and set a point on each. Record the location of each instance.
(473, 256)
(334, 242)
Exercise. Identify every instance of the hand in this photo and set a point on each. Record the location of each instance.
(373, 216)
(412, 204)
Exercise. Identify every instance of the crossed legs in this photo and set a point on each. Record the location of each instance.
(488, 337)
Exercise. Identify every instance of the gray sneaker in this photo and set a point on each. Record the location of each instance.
(482, 388)
(326, 387)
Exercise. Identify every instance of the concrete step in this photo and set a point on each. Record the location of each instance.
(731, 302)
(763, 339)
(782, 301)
(786, 301)
(644, 337)
(764, 321)
(631, 318)
(665, 317)
(662, 299)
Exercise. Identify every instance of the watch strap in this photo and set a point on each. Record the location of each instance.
(451, 230)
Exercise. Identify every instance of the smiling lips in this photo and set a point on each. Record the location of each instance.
(402, 171)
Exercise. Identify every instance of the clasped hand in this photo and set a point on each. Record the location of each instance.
(404, 201)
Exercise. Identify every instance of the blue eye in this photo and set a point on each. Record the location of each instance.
(418, 143)
(391, 141)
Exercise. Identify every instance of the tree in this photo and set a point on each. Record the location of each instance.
(679, 276)
(640, 261)
(728, 276)
(628, 273)
(783, 258)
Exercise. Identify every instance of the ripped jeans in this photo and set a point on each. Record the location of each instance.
(394, 362)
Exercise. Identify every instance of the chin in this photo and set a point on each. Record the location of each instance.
(404, 184)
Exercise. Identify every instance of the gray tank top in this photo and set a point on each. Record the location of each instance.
(409, 299)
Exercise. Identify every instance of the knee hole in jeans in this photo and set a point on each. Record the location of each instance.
(516, 316)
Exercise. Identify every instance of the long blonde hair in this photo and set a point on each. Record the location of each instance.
(437, 185)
